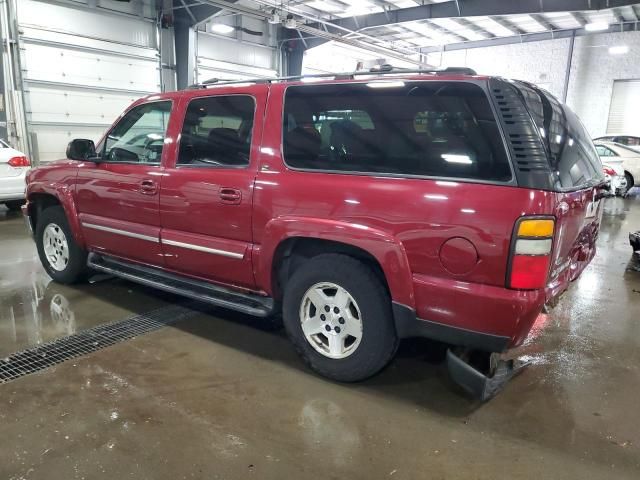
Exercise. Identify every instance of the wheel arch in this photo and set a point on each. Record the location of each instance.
(39, 200)
(289, 242)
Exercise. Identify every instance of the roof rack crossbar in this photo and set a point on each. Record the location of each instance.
(214, 82)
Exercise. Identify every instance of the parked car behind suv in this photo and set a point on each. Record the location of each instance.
(13, 168)
(365, 208)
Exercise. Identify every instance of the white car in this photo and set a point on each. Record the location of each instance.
(625, 160)
(13, 168)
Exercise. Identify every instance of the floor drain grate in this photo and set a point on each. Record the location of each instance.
(49, 354)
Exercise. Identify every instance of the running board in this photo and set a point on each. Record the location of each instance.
(199, 290)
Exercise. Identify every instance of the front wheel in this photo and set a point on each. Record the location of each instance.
(63, 259)
(629, 178)
(338, 315)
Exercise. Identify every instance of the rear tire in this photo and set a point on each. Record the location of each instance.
(14, 205)
(352, 300)
(63, 259)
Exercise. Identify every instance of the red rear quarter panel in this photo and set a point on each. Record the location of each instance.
(394, 217)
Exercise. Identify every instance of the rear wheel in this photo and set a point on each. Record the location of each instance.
(14, 206)
(338, 315)
(61, 256)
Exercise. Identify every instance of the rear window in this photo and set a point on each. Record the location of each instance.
(435, 129)
(572, 156)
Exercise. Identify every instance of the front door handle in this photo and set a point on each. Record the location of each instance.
(148, 187)
(231, 196)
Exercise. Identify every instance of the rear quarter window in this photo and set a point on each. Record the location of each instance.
(573, 158)
(416, 128)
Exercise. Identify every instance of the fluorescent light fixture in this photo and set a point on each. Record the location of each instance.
(596, 26)
(467, 210)
(618, 50)
(222, 28)
(386, 84)
(325, 6)
(451, 158)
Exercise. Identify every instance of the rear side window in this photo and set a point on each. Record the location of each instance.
(435, 129)
(217, 132)
(572, 156)
(605, 152)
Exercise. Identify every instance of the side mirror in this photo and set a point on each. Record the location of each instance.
(81, 149)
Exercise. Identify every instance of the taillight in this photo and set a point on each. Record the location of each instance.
(20, 161)
(531, 253)
(609, 171)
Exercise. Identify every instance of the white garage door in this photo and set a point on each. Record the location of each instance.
(227, 59)
(625, 105)
(81, 68)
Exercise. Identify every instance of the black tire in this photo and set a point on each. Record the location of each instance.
(76, 267)
(14, 205)
(379, 341)
(629, 178)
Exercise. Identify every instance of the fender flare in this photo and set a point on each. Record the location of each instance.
(383, 246)
(64, 194)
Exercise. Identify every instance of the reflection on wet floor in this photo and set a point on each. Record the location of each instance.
(218, 396)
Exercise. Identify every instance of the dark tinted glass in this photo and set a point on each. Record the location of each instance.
(572, 156)
(217, 132)
(442, 129)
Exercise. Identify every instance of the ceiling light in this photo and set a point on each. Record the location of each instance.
(385, 84)
(618, 50)
(222, 28)
(596, 26)
(450, 158)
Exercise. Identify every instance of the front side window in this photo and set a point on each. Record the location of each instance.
(441, 129)
(139, 136)
(217, 132)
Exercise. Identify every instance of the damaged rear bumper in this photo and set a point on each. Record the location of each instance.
(478, 384)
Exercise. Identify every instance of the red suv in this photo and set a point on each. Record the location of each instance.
(365, 208)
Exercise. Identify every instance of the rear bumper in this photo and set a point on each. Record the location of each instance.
(12, 188)
(409, 325)
(482, 317)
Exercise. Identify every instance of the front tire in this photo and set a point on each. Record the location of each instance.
(629, 178)
(63, 259)
(338, 315)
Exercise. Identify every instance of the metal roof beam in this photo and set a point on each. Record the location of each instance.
(531, 37)
(473, 27)
(542, 21)
(580, 18)
(473, 8)
(512, 27)
(618, 15)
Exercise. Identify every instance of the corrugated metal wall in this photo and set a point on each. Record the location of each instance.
(81, 67)
(238, 55)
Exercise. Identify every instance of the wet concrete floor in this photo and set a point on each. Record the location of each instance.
(222, 396)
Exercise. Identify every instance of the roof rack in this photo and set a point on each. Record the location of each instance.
(381, 70)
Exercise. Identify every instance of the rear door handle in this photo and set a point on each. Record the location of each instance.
(148, 187)
(231, 196)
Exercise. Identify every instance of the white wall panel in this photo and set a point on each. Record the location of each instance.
(88, 23)
(75, 106)
(86, 69)
(53, 140)
(81, 67)
(242, 59)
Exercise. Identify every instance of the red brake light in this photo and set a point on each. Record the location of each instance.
(529, 272)
(20, 161)
(609, 171)
(531, 253)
